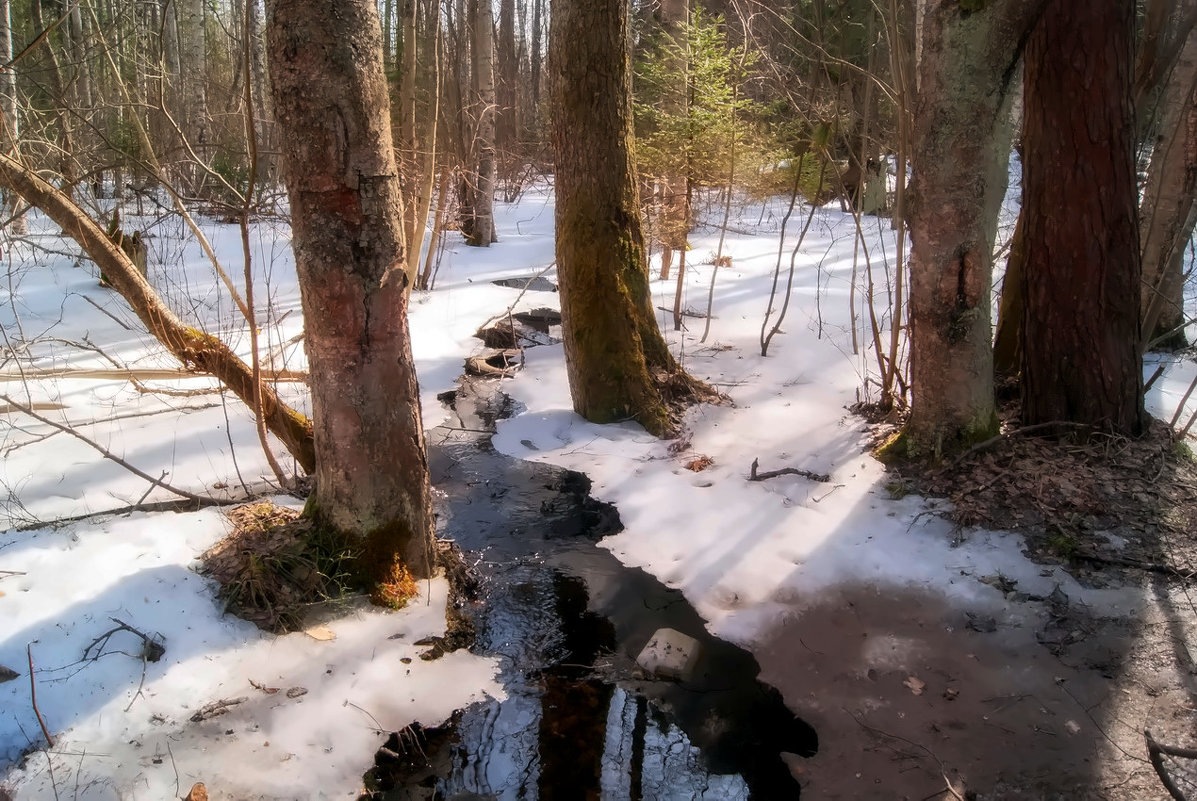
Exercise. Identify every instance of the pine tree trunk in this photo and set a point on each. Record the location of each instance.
(1081, 359)
(1166, 211)
(330, 96)
(617, 362)
(961, 151)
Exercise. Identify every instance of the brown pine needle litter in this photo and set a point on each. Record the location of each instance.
(269, 572)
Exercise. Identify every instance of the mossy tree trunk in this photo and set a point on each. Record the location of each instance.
(1080, 334)
(618, 364)
(330, 96)
(961, 151)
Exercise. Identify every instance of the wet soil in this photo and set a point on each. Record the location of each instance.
(566, 620)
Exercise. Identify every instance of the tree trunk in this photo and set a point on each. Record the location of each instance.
(197, 350)
(482, 230)
(1080, 334)
(617, 362)
(535, 58)
(506, 91)
(425, 182)
(61, 102)
(1166, 212)
(675, 210)
(1007, 343)
(193, 88)
(959, 164)
(330, 97)
(11, 122)
(409, 160)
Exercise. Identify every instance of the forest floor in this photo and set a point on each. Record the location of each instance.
(1004, 628)
(1049, 697)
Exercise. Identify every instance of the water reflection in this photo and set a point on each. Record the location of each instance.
(566, 619)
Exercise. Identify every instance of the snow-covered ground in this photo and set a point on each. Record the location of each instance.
(746, 554)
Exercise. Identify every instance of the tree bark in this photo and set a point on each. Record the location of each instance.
(193, 73)
(959, 163)
(1007, 343)
(506, 125)
(330, 96)
(617, 362)
(1166, 212)
(1080, 333)
(481, 232)
(675, 208)
(11, 135)
(197, 350)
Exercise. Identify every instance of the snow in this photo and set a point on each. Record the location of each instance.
(746, 554)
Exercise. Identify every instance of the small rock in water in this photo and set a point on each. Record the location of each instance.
(669, 655)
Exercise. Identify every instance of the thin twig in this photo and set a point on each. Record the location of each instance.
(33, 698)
(1015, 432)
(110, 455)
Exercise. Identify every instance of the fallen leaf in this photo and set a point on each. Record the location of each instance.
(295, 692)
(321, 633)
(916, 685)
(198, 793)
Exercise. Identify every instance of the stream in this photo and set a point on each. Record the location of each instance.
(566, 620)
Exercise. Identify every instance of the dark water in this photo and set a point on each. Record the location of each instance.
(566, 620)
(535, 283)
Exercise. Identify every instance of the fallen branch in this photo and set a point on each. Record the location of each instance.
(753, 475)
(295, 376)
(196, 350)
(216, 708)
(33, 696)
(1015, 432)
(1155, 752)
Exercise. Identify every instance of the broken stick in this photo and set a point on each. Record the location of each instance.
(753, 475)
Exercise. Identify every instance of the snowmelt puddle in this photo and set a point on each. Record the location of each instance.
(567, 619)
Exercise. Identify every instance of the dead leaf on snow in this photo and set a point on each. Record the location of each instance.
(916, 685)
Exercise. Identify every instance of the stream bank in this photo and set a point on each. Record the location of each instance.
(566, 619)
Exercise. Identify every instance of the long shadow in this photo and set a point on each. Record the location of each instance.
(59, 641)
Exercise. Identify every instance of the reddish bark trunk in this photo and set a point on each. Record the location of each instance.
(330, 96)
(1080, 329)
